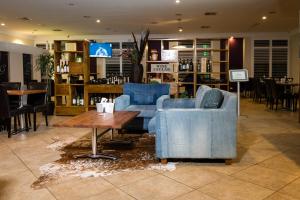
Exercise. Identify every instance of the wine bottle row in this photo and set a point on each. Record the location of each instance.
(203, 65)
(78, 100)
(63, 67)
(96, 98)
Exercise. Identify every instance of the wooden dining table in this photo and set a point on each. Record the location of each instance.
(22, 93)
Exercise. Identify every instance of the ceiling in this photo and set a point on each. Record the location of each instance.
(125, 16)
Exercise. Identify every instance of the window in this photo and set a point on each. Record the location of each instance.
(3, 66)
(270, 58)
(116, 64)
(27, 68)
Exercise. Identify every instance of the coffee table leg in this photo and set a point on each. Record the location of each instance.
(94, 148)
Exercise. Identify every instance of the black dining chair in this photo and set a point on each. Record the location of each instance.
(7, 112)
(14, 101)
(37, 102)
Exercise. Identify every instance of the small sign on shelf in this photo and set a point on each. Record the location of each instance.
(162, 68)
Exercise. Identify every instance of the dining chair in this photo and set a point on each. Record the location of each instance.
(7, 112)
(14, 101)
(37, 102)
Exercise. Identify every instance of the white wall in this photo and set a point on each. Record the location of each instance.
(294, 56)
(16, 60)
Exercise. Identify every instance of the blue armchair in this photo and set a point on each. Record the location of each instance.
(143, 98)
(186, 128)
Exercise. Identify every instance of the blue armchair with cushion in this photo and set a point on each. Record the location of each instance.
(204, 127)
(143, 98)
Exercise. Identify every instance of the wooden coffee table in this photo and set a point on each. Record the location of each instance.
(93, 119)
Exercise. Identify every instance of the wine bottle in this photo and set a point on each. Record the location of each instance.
(92, 101)
(208, 66)
(198, 66)
(187, 65)
(191, 68)
(67, 67)
(183, 65)
(180, 65)
(74, 102)
(78, 100)
(81, 100)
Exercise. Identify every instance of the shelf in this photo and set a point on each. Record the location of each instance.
(205, 73)
(186, 83)
(209, 49)
(185, 72)
(212, 84)
(69, 51)
(161, 72)
(75, 84)
(160, 61)
(221, 61)
(183, 49)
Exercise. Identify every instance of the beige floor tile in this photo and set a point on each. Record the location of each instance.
(11, 164)
(231, 189)
(18, 186)
(293, 189)
(195, 195)
(265, 177)
(129, 177)
(278, 196)
(114, 194)
(80, 188)
(194, 176)
(283, 162)
(156, 187)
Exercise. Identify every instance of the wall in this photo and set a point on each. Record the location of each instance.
(17, 39)
(16, 60)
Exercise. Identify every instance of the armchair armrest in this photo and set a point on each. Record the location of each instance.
(122, 102)
(160, 100)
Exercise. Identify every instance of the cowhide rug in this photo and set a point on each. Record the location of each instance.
(139, 156)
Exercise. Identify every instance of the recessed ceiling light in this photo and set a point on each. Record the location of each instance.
(86, 16)
(205, 27)
(177, 1)
(71, 4)
(178, 14)
(154, 22)
(210, 13)
(57, 30)
(98, 20)
(264, 17)
(272, 12)
(25, 18)
(2, 24)
(180, 29)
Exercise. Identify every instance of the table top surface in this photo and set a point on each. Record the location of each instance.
(94, 119)
(24, 92)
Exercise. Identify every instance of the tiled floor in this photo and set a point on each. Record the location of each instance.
(267, 167)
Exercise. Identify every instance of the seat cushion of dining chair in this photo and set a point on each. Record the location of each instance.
(37, 108)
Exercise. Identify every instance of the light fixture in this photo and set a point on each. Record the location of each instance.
(178, 47)
(2, 24)
(177, 1)
(180, 29)
(264, 17)
(98, 20)
(231, 38)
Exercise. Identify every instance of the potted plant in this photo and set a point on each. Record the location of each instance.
(136, 55)
(45, 64)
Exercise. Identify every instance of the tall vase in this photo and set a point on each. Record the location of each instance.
(138, 72)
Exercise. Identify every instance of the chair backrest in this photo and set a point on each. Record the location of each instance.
(37, 99)
(145, 94)
(4, 105)
(14, 101)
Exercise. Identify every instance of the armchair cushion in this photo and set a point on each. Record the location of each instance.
(212, 99)
(145, 110)
(200, 94)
